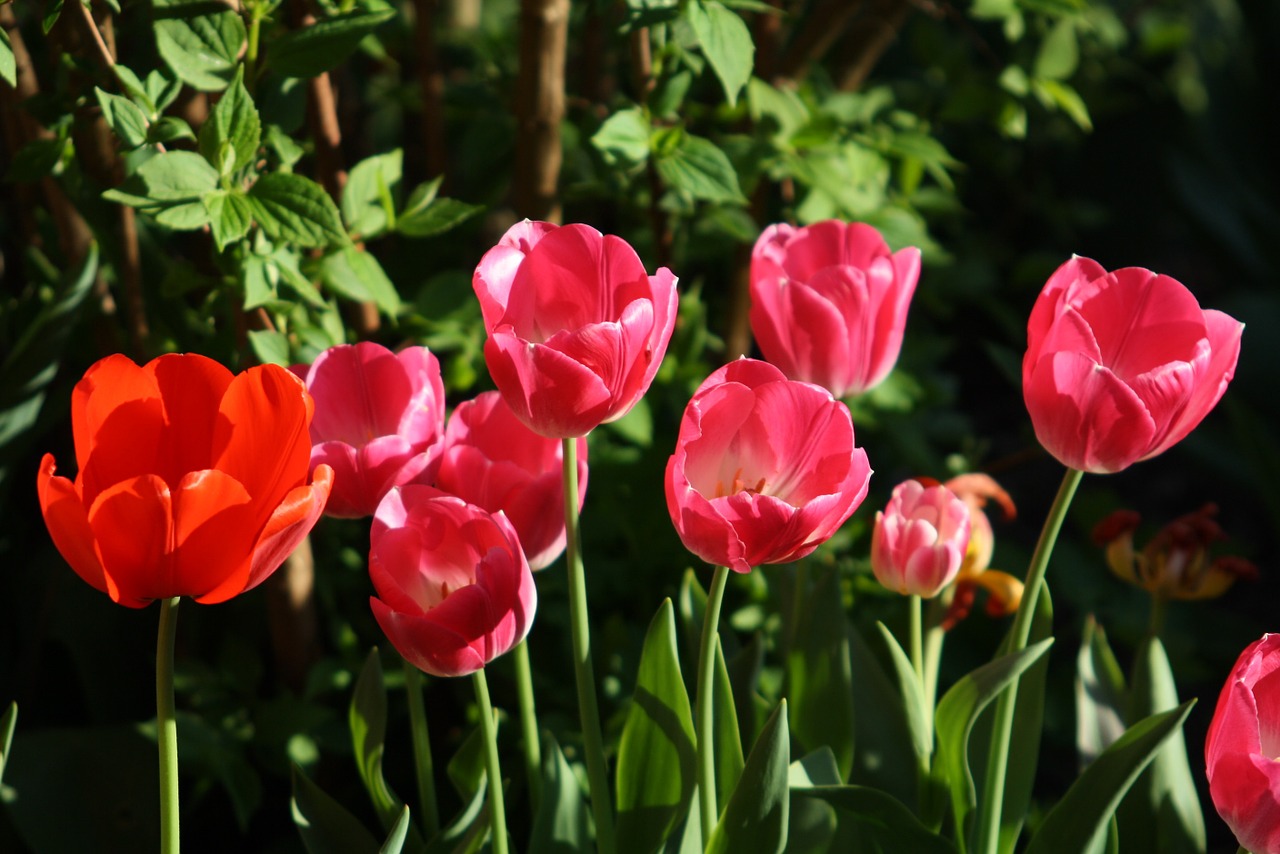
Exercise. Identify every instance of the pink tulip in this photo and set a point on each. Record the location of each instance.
(829, 302)
(576, 327)
(920, 539)
(379, 416)
(1121, 366)
(491, 460)
(1243, 743)
(765, 469)
(454, 589)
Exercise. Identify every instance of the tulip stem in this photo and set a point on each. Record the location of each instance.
(915, 610)
(423, 767)
(497, 809)
(1159, 606)
(167, 727)
(706, 709)
(528, 724)
(588, 712)
(988, 829)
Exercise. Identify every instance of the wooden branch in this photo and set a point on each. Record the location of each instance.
(544, 34)
(291, 616)
(872, 34)
(431, 84)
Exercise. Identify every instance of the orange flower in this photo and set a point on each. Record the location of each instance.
(1004, 592)
(192, 481)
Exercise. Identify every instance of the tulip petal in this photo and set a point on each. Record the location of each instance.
(552, 394)
(288, 525)
(361, 391)
(191, 387)
(829, 327)
(497, 269)
(132, 524)
(109, 385)
(215, 526)
(1141, 320)
(425, 644)
(1076, 271)
(68, 523)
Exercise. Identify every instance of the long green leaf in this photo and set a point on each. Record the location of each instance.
(367, 718)
(1101, 695)
(884, 754)
(563, 822)
(911, 692)
(325, 826)
(726, 43)
(883, 822)
(323, 45)
(756, 816)
(7, 723)
(728, 739)
(820, 675)
(394, 843)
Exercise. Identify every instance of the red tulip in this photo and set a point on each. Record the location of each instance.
(765, 469)
(1243, 743)
(191, 481)
(576, 327)
(829, 302)
(455, 589)
(379, 416)
(491, 460)
(1121, 366)
(920, 539)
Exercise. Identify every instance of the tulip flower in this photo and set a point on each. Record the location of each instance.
(379, 417)
(920, 539)
(191, 481)
(1004, 592)
(829, 302)
(493, 461)
(576, 327)
(454, 588)
(1121, 366)
(1241, 748)
(765, 469)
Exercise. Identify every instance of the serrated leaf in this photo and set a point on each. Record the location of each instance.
(296, 210)
(563, 822)
(725, 42)
(324, 45)
(200, 40)
(234, 122)
(623, 139)
(357, 275)
(169, 129)
(698, 167)
(1081, 820)
(434, 217)
(176, 176)
(324, 825)
(783, 107)
(8, 63)
(161, 89)
(258, 278)
(657, 761)
(755, 819)
(125, 119)
(230, 216)
(363, 196)
(184, 216)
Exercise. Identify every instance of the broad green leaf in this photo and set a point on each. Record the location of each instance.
(167, 129)
(230, 216)
(725, 42)
(424, 215)
(1080, 821)
(200, 40)
(1164, 796)
(1059, 53)
(623, 139)
(468, 830)
(8, 63)
(910, 690)
(698, 167)
(1055, 94)
(51, 16)
(883, 823)
(161, 90)
(325, 826)
(820, 675)
(177, 176)
(399, 833)
(955, 716)
(259, 277)
(324, 45)
(466, 768)
(184, 216)
(371, 186)
(783, 107)
(296, 210)
(563, 822)
(36, 159)
(1101, 696)
(728, 740)
(7, 723)
(755, 819)
(367, 718)
(124, 117)
(884, 754)
(657, 760)
(357, 275)
(234, 122)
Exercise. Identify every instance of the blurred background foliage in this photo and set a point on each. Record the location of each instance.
(999, 135)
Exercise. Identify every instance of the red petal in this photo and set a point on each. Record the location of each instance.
(215, 527)
(132, 524)
(68, 523)
(292, 520)
(192, 387)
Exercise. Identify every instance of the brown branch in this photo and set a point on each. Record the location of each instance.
(872, 34)
(431, 83)
(821, 28)
(544, 34)
(291, 616)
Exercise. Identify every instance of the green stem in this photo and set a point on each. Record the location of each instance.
(1159, 606)
(988, 830)
(497, 809)
(167, 727)
(251, 51)
(588, 712)
(933, 638)
(422, 765)
(706, 709)
(528, 723)
(915, 608)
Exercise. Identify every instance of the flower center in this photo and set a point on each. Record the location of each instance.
(739, 485)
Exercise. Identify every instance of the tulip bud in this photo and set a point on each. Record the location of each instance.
(920, 539)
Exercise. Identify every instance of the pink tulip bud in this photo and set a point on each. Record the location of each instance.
(1121, 366)
(454, 589)
(1242, 745)
(765, 469)
(577, 329)
(378, 419)
(829, 303)
(920, 539)
(491, 460)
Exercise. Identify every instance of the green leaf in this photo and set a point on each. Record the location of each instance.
(1059, 53)
(1053, 93)
(258, 277)
(124, 117)
(623, 139)
(325, 826)
(1080, 820)
(466, 768)
(820, 676)
(186, 216)
(728, 741)
(8, 63)
(910, 691)
(297, 210)
(884, 747)
(230, 216)
(200, 40)
(168, 129)
(424, 215)
(1164, 797)
(755, 819)
(1101, 697)
(563, 822)
(176, 176)
(357, 275)
(367, 718)
(955, 716)
(882, 822)
(324, 45)
(7, 723)
(51, 17)
(395, 839)
(700, 168)
(725, 42)
(783, 107)
(470, 827)
(372, 179)
(234, 122)
(657, 761)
